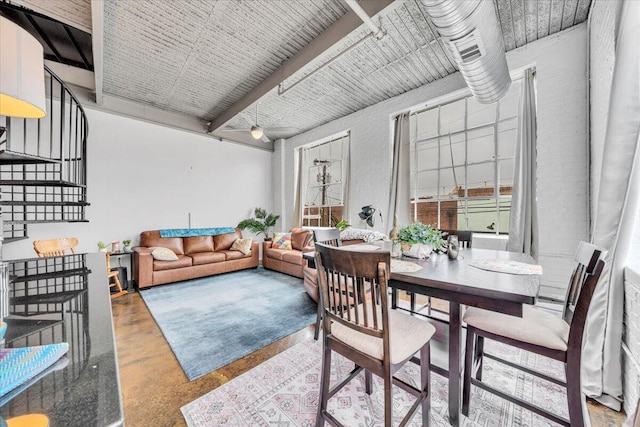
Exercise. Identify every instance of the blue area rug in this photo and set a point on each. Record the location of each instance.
(212, 321)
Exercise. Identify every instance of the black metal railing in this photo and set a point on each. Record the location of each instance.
(43, 163)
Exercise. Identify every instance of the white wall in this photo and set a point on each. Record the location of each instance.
(142, 176)
(561, 63)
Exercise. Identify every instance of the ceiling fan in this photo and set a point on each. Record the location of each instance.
(265, 134)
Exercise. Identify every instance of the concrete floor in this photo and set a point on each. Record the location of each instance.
(154, 386)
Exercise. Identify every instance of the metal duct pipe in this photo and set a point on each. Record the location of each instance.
(473, 36)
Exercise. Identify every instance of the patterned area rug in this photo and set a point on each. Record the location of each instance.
(212, 321)
(283, 391)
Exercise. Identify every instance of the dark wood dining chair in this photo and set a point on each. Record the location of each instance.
(372, 335)
(540, 332)
(328, 236)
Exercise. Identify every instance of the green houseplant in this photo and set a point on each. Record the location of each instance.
(261, 223)
(418, 239)
(102, 247)
(342, 225)
(126, 245)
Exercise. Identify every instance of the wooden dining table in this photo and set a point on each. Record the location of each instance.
(460, 283)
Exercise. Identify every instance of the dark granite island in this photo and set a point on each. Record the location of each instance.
(65, 299)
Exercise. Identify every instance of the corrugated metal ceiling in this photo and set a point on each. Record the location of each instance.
(199, 57)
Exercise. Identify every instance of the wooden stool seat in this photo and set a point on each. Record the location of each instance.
(112, 274)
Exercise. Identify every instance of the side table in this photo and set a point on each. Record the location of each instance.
(130, 285)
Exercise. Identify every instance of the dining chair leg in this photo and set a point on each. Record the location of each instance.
(324, 385)
(478, 354)
(469, 358)
(412, 297)
(316, 334)
(388, 398)
(574, 394)
(425, 382)
(368, 378)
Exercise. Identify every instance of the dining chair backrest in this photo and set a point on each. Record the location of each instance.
(328, 236)
(346, 276)
(464, 237)
(55, 247)
(583, 282)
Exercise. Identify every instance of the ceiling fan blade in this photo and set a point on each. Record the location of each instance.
(235, 130)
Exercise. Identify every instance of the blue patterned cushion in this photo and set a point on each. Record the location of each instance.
(192, 232)
(18, 365)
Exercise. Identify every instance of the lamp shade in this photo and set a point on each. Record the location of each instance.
(256, 132)
(21, 73)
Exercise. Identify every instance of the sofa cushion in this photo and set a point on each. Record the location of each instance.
(229, 255)
(207, 257)
(223, 242)
(242, 245)
(183, 261)
(152, 238)
(293, 257)
(281, 241)
(299, 238)
(273, 253)
(197, 244)
(163, 254)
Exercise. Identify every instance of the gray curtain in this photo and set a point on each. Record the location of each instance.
(399, 192)
(346, 179)
(298, 203)
(617, 205)
(523, 223)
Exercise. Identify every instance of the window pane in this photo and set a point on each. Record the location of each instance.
(427, 155)
(426, 124)
(504, 214)
(506, 175)
(452, 117)
(480, 114)
(507, 137)
(480, 180)
(480, 145)
(451, 183)
(452, 150)
(509, 103)
(482, 215)
(427, 185)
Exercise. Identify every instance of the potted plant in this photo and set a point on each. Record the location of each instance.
(102, 247)
(126, 245)
(418, 240)
(342, 225)
(261, 223)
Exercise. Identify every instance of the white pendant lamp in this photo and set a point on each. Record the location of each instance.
(21, 73)
(256, 132)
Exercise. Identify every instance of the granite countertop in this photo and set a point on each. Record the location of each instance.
(65, 299)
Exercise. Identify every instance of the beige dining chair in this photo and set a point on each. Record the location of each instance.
(55, 247)
(540, 332)
(372, 335)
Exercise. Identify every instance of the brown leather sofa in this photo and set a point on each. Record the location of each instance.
(288, 261)
(197, 257)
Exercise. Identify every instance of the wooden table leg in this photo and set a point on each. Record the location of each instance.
(455, 347)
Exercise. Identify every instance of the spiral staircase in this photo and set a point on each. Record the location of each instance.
(43, 174)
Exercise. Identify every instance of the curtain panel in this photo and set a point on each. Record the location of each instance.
(616, 207)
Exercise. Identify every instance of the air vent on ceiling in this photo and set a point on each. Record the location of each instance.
(468, 48)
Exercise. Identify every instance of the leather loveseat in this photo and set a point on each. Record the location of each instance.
(288, 261)
(198, 256)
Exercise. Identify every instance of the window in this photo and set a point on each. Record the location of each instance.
(325, 168)
(462, 163)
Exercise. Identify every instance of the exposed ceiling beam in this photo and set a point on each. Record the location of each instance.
(97, 40)
(332, 35)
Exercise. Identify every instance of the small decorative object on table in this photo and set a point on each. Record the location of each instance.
(126, 245)
(418, 240)
(261, 223)
(102, 247)
(453, 246)
(115, 246)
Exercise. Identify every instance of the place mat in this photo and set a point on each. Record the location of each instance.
(398, 266)
(507, 266)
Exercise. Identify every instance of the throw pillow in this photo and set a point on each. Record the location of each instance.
(242, 245)
(281, 241)
(163, 254)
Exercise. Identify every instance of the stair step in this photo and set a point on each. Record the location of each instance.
(41, 183)
(8, 157)
(14, 239)
(53, 298)
(43, 221)
(22, 328)
(51, 275)
(36, 203)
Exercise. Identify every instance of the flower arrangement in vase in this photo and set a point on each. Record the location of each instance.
(418, 240)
